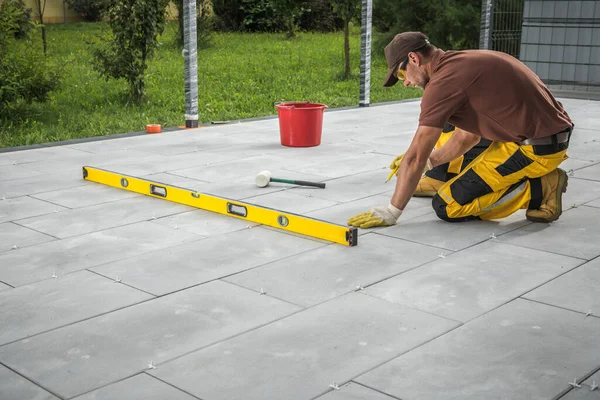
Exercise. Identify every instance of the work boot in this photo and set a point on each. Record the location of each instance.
(428, 187)
(554, 185)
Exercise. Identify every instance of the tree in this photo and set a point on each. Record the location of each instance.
(205, 21)
(41, 9)
(290, 11)
(347, 10)
(135, 26)
(23, 75)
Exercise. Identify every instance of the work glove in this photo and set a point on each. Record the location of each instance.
(378, 216)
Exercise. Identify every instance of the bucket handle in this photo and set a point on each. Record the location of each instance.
(292, 103)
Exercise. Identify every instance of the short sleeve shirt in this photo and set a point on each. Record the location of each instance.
(490, 94)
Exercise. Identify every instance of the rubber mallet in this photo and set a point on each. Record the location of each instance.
(263, 179)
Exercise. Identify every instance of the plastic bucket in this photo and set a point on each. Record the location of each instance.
(300, 124)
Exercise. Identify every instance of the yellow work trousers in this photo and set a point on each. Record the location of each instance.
(500, 181)
(455, 165)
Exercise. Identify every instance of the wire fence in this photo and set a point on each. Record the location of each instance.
(507, 26)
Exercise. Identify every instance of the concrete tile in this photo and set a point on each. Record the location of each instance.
(473, 281)
(204, 223)
(175, 180)
(103, 216)
(300, 356)
(573, 164)
(33, 155)
(246, 167)
(431, 230)
(346, 166)
(31, 309)
(40, 184)
(577, 290)
(331, 271)
(40, 262)
(14, 386)
(178, 267)
(109, 348)
(592, 173)
(75, 162)
(354, 391)
(4, 287)
(580, 191)
(576, 224)
(340, 213)
(522, 350)
(292, 202)
(18, 208)
(85, 196)
(15, 235)
(352, 187)
(9, 172)
(139, 387)
(595, 203)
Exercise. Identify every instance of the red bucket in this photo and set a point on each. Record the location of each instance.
(300, 124)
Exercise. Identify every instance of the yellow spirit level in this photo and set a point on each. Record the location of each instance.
(250, 212)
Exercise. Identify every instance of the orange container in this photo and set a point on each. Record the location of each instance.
(300, 124)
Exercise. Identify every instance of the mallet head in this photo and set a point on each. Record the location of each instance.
(263, 179)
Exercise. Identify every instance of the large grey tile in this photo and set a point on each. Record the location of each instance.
(574, 234)
(580, 191)
(139, 387)
(33, 155)
(204, 223)
(352, 187)
(595, 203)
(429, 229)
(175, 180)
(473, 281)
(354, 391)
(14, 387)
(114, 346)
(578, 290)
(522, 350)
(591, 173)
(300, 356)
(345, 166)
(60, 257)
(4, 287)
(12, 235)
(85, 196)
(244, 167)
(24, 207)
(340, 213)
(74, 163)
(334, 270)
(40, 184)
(103, 216)
(9, 172)
(190, 264)
(293, 202)
(42, 306)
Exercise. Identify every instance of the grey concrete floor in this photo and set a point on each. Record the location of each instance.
(107, 294)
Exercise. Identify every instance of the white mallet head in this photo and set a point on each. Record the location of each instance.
(263, 179)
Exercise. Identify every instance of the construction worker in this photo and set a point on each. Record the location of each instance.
(433, 179)
(484, 94)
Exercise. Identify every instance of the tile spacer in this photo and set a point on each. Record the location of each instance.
(15, 247)
(594, 386)
(334, 386)
(151, 365)
(574, 383)
(54, 274)
(441, 255)
(117, 280)
(492, 236)
(359, 287)
(262, 291)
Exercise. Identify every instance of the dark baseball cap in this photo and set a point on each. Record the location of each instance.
(397, 51)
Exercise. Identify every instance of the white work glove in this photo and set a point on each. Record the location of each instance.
(378, 216)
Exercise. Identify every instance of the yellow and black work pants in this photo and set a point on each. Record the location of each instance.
(449, 170)
(501, 180)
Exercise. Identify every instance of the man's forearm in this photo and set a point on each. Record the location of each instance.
(460, 142)
(409, 174)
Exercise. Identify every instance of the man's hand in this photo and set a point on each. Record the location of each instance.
(396, 164)
(378, 216)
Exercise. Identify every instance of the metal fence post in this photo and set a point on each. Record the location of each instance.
(365, 54)
(190, 55)
(487, 19)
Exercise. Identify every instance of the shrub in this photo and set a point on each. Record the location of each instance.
(135, 27)
(90, 10)
(20, 15)
(23, 74)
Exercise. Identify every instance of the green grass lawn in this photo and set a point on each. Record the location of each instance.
(239, 76)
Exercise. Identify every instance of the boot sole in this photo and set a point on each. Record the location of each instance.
(563, 182)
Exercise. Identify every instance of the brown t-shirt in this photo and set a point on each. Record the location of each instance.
(490, 94)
